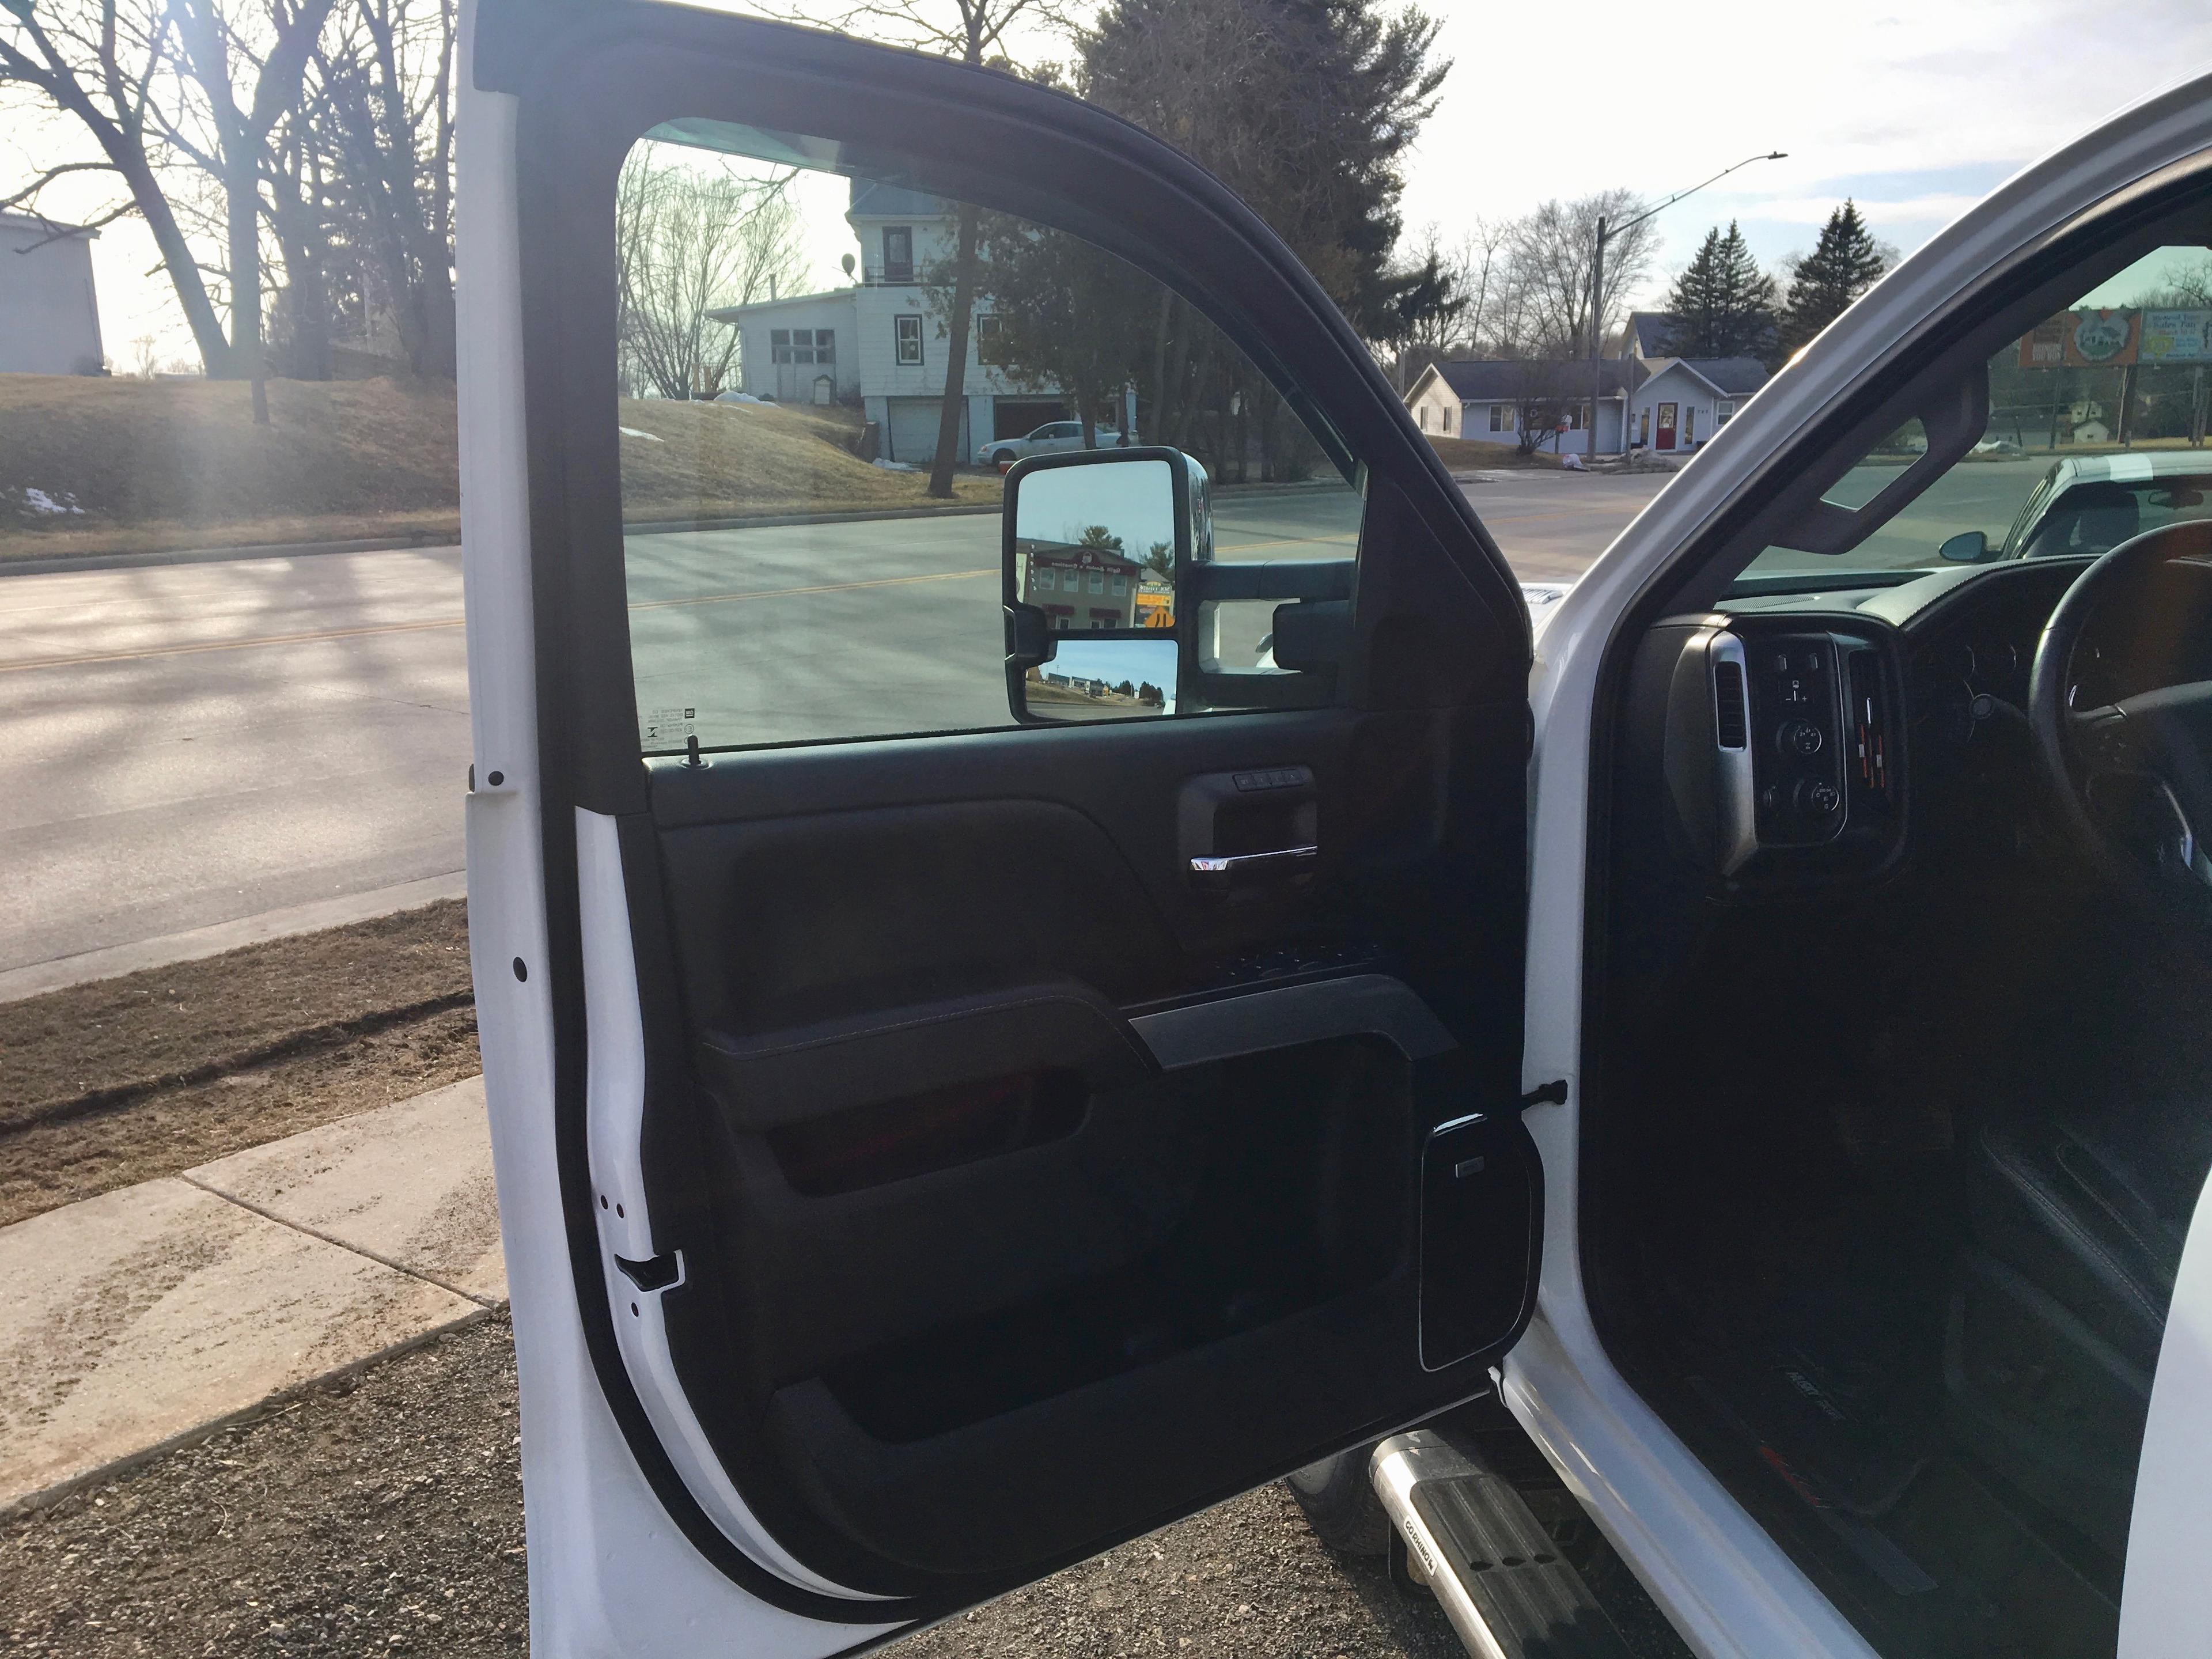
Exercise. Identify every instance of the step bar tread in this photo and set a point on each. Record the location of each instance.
(1495, 1570)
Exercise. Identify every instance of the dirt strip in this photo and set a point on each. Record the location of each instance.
(386, 1516)
(119, 1081)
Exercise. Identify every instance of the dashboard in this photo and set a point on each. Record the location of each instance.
(1791, 734)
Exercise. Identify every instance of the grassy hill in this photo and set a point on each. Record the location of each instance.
(90, 466)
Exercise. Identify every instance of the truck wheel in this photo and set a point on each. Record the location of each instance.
(1339, 1504)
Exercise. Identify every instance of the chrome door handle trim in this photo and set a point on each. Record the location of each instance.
(1212, 865)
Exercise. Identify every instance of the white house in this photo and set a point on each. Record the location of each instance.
(1673, 404)
(49, 317)
(1484, 400)
(880, 341)
(1681, 402)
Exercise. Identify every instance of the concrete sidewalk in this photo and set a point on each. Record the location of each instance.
(144, 1318)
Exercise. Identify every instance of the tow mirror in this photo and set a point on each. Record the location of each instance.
(1096, 545)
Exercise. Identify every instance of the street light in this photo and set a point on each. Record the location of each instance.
(1597, 291)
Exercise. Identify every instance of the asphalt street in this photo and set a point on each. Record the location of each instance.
(187, 745)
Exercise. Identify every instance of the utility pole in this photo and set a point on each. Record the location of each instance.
(1597, 292)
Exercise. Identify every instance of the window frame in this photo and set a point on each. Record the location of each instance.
(902, 338)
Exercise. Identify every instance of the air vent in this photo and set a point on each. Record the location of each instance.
(1729, 719)
(1869, 725)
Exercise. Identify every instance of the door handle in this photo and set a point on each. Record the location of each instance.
(1217, 872)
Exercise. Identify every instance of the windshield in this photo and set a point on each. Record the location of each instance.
(2096, 432)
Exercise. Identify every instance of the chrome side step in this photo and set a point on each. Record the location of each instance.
(1493, 1567)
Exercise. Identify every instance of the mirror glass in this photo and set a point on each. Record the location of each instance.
(1096, 545)
(1967, 547)
(1102, 680)
(1094, 554)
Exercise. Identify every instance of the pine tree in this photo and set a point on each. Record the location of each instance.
(1843, 265)
(1723, 303)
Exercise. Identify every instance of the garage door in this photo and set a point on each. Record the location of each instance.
(1017, 418)
(912, 430)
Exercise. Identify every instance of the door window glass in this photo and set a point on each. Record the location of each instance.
(2096, 433)
(791, 577)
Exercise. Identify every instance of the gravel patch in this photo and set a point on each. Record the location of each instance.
(385, 1515)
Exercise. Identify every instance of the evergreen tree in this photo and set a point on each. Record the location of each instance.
(1843, 265)
(1723, 303)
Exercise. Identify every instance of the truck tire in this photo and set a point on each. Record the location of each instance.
(1339, 1504)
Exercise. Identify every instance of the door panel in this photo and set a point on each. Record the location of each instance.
(983, 1188)
(1032, 1189)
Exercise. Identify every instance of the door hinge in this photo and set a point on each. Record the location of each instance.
(1553, 1093)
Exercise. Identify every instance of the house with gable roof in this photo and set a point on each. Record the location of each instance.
(878, 343)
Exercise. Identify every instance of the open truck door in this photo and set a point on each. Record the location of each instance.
(973, 1076)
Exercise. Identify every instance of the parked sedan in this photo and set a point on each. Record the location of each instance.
(1052, 436)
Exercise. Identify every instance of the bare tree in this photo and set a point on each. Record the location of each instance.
(1540, 398)
(691, 237)
(100, 63)
(386, 83)
(220, 54)
(975, 32)
(1549, 252)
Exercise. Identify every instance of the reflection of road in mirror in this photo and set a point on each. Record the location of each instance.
(1103, 679)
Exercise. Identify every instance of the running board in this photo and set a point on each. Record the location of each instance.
(1493, 1567)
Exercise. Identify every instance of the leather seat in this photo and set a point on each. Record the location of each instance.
(2091, 1207)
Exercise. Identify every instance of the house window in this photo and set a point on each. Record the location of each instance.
(1120, 587)
(802, 345)
(1447, 417)
(1041, 580)
(898, 255)
(909, 330)
(1424, 412)
(1689, 424)
(990, 346)
(1098, 582)
(1723, 410)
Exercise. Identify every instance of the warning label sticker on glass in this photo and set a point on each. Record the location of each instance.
(666, 728)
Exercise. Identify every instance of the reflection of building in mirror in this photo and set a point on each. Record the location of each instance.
(1082, 585)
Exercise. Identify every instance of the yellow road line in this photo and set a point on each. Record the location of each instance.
(324, 636)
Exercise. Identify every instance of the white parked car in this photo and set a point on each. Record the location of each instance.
(1050, 439)
(1132, 1075)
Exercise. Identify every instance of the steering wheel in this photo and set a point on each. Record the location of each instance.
(2132, 780)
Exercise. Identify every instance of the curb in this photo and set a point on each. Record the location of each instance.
(61, 563)
(108, 960)
(31, 1502)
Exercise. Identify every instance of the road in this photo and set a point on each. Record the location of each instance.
(188, 745)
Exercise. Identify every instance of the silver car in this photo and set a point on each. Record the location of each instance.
(1051, 437)
(2090, 504)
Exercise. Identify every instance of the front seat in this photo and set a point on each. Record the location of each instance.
(2090, 518)
(2059, 1303)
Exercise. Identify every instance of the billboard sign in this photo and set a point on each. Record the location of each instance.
(2175, 337)
(2087, 339)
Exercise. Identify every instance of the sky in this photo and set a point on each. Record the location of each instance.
(1914, 110)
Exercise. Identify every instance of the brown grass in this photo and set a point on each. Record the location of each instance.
(166, 465)
(715, 461)
(1467, 454)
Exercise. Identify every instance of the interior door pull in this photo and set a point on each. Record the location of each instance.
(1238, 869)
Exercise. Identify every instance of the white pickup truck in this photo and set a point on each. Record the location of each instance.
(971, 1083)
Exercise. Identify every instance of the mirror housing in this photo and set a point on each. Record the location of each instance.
(1093, 563)
(1967, 547)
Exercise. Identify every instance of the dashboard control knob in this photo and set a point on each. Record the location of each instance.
(1799, 738)
(1819, 797)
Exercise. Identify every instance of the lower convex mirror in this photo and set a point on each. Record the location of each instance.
(1095, 544)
